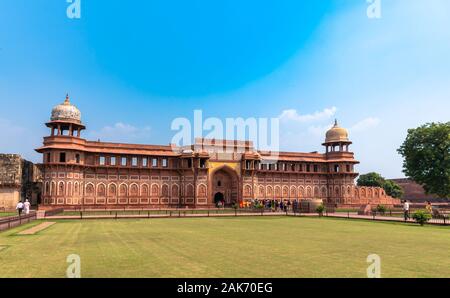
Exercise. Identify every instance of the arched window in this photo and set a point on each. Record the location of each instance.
(69, 189)
(202, 191)
(301, 192)
(269, 191)
(175, 191)
(61, 189)
(53, 190)
(123, 190)
(47, 188)
(277, 192)
(261, 191)
(309, 192)
(324, 192)
(112, 190)
(247, 191)
(90, 190)
(165, 190)
(134, 190)
(337, 191)
(101, 190)
(285, 192)
(316, 192)
(76, 189)
(189, 190)
(144, 191)
(155, 190)
(293, 192)
(363, 192)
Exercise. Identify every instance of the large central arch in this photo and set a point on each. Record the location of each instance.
(225, 181)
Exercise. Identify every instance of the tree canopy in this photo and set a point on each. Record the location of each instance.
(426, 153)
(376, 180)
(371, 179)
(393, 189)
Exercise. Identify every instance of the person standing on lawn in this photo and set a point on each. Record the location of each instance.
(19, 207)
(26, 207)
(406, 209)
(429, 207)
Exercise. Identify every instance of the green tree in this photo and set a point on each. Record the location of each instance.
(371, 179)
(393, 189)
(426, 153)
(376, 180)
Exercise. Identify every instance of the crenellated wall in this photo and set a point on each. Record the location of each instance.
(19, 180)
(373, 195)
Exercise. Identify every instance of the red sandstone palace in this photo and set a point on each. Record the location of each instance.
(80, 173)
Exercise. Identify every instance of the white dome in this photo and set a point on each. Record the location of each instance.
(66, 112)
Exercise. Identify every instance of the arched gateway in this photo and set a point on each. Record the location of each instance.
(225, 186)
(219, 198)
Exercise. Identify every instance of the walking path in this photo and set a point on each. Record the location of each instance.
(174, 214)
(38, 228)
(181, 214)
(434, 221)
(7, 223)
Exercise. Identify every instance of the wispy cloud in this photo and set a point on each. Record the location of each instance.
(293, 115)
(319, 130)
(19, 140)
(365, 124)
(122, 132)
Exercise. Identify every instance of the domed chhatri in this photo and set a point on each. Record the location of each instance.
(336, 134)
(66, 112)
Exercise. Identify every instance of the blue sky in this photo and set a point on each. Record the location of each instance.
(132, 67)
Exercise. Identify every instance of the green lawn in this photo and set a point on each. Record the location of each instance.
(5, 214)
(227, 247)
(151, 212)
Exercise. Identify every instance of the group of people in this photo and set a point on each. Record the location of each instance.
(23, 207)
(274, 205)
(406, 209)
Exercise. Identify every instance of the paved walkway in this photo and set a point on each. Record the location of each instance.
(15, 221)
(433, 221)
(176, 214)
(38, 228)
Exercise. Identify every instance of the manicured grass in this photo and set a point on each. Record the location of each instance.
(145, 212)
(5, 214)
(227, 247)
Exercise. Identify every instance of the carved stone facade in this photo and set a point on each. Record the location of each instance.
(19, 180)
(80, 173)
